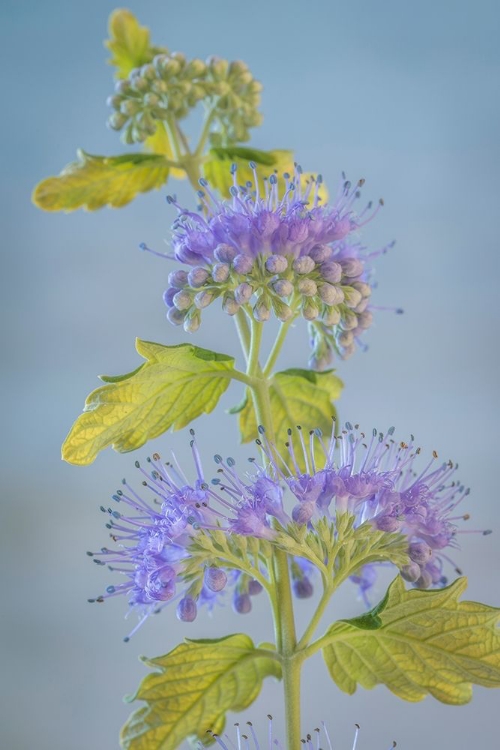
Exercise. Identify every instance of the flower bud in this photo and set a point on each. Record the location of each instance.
(303, 588)
(130, 107)
(218, 67)
(122, 87)
(276, 264)
(225, 253)
(168, 296)
(114, 101)
(261, 310)
(388, 523)
(420, 552)
(151, 100)
(215, 579)
(243, 292)
(187, 609)
(352, 296)
(349, 320)
(243, 263)
(204, 298)
(116, 121)
(183, 300)
(363, 288)
(192, 321)
(302, 512)
(307, 287)
(352, 267)
(178, 279)
(361, 307)
(365, 319)
(330, 294)
(411, 572)
(195, 68)
(331, 271)
(229, 304)
(254, 587)
(282, 311)
(242, 604)
(302, 265)
(283, 287)
(175, 316)
(425, 580)
(345, 339)
(197, 276)
(220, 272)
(320, 253)
(310, 310)
(138, 83)
(332, 316)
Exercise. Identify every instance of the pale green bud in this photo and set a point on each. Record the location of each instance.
(310, 310)
(116, 121)
(282, 311)
(261, 310)
(182, 300)
(195, 68)
(303, 265)
(283, 287)
(229, 304)
(349, 320)
(352, 296)
(204, 298)
(151, 100)
(218, 67)
(130, 107)
(330, 294)
(192, 321)
(148, 72)
(307, 287)
(332, 316)
(159, 87)
(114, 101)
(220, 272)
(139, 84)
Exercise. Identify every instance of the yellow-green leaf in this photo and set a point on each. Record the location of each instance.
(416, 643)
(217, 167)
(174, 386)
(193, 688)
(129, 42)
(298, 397)
(96, 181)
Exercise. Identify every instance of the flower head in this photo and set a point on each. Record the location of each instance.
(278, 252)
(373, 479)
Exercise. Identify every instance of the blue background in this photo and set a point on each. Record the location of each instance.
(403, 94)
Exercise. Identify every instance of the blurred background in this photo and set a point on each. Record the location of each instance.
(402, 94)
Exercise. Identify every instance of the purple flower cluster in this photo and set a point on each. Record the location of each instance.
(268, 253)
(373, 479)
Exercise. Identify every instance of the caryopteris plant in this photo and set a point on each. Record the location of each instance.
(323, 502)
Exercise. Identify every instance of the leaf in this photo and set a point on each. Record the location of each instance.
(217, 167)
(159, 143)
(129, 43)
(298, 397)
(96, 181)
(194, 687)
(174, 386)
(418, 642)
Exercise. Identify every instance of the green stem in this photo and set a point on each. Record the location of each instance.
(280, 339)
(243, 332)
(284, 620)
(205, 133)
(315, 620)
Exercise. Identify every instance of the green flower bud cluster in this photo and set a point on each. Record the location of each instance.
(275, 284)
(170, 86)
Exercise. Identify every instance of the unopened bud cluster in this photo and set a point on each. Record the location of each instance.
(319, 286)
(170, 86)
